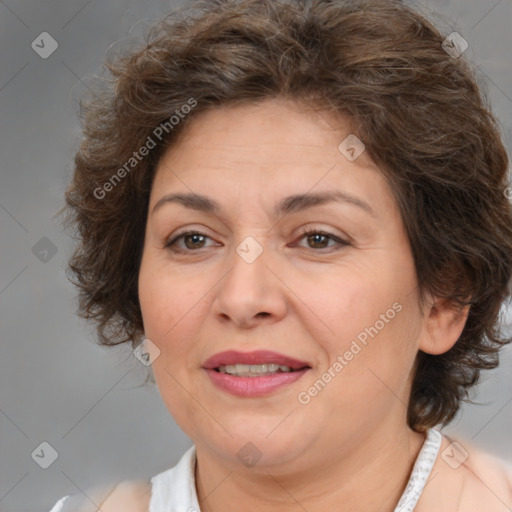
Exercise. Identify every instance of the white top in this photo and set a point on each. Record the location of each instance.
(174, 490)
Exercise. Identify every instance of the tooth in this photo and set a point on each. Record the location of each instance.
(258, 368)
(253, 370)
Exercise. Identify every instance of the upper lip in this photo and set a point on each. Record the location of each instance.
(255, 357)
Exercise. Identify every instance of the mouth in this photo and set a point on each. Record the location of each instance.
(256, 370)
(256, 363)
(252, 374)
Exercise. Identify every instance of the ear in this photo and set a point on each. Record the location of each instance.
(444, 321)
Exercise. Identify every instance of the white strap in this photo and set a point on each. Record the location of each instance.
(174, 490)
(58, 506)
(420, 472)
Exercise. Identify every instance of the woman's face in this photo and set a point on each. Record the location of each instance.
(343, 300)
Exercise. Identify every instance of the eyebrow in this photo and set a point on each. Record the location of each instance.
(290, 204)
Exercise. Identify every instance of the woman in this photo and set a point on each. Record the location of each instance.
(301, 208)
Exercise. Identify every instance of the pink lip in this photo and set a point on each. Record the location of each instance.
(253, 386)
(256, 357)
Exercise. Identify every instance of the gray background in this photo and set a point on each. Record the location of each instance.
(56, 384)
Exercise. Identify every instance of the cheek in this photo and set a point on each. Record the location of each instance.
(175, 305)
(166, 296)
(344, 303)
(367, 313)
(171, 309)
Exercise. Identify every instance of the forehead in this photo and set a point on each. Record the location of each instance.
(265, 149)
(274, 124)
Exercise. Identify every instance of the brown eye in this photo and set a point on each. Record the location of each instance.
(320, 239)
(193, 240)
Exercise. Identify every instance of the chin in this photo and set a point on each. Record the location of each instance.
(255, 447)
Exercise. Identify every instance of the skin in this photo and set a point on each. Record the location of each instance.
(305, 297)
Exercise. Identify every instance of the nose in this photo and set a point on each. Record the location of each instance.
(251, 293)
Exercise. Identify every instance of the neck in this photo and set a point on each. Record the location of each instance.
(371, 476)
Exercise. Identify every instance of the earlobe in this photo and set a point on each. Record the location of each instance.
(444, 323)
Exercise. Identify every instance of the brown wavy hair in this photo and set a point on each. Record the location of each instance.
(378, 63)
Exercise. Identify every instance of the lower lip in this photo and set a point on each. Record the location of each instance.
(253, 386)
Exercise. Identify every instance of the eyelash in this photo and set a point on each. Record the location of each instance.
(305, 233)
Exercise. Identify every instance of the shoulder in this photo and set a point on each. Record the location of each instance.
(488, 480)
(127, 496)
(467, 479)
